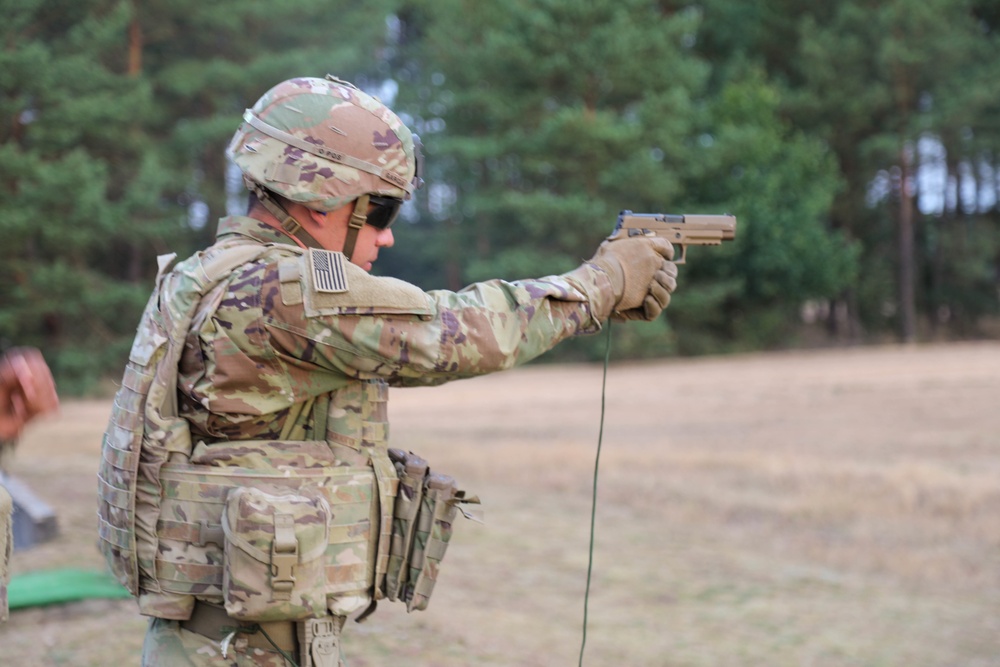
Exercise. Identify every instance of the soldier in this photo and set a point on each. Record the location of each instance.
(248, 495)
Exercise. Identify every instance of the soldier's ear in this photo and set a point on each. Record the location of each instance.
(319, 217)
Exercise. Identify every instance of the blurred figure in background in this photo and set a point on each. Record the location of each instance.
(26, 391)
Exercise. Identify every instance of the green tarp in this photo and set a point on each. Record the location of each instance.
(36, 589)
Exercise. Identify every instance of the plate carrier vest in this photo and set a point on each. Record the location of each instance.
(161, 509)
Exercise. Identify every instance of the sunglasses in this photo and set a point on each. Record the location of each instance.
(387, 208)
(385, 212)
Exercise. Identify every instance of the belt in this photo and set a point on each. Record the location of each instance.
(211, 621)
(320, 637)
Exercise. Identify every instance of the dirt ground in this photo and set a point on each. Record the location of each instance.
(814, 509)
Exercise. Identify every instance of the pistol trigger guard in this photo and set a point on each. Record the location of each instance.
(680, 253)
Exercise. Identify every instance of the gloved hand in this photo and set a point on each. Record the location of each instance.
(642, 275)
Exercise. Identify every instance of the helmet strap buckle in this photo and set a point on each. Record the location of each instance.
(288, 224)
(359, 216)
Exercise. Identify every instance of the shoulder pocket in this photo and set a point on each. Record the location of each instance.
(290, 279)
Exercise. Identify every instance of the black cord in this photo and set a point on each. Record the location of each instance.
(593, 504)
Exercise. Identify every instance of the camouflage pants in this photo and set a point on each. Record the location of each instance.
(167, 644)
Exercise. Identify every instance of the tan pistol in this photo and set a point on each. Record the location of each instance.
(680, 230)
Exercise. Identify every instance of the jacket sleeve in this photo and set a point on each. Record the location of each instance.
(427, 338)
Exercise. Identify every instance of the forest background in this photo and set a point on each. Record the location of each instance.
(858, 143)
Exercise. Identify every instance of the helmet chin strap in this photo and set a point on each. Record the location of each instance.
(358, 219)
(290, 225)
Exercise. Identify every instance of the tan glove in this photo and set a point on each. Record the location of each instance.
(641, 273)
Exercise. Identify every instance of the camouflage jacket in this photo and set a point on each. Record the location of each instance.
(259, 353)
(292, 348)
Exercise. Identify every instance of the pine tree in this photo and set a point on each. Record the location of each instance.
(556, 115)
(873, 81)
(116, 116)
(67, 109)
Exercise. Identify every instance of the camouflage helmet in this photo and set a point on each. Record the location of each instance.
(324, 143)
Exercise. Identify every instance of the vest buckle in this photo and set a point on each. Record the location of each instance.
(284, 557)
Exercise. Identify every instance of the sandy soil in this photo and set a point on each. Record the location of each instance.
(836, 508)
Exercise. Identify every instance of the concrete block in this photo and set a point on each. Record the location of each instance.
(34, 521)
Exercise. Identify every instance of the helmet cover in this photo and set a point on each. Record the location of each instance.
(323, 143)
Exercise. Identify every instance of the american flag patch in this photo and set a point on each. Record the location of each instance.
(328, 271)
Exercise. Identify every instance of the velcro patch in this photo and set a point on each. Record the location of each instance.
(328, 271)
(278, 172)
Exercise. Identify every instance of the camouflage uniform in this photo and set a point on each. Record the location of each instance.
(252, 414)
(170, 645)
(279, 348)
(266, 349)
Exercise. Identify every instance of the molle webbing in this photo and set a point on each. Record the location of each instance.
(195, 497)
(358, 431)
(162, 497)
(144, 429)
(352, 469)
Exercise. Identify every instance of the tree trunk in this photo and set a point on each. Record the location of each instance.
(136, 255)
(452, 267)
(135, 42)
(907, 272)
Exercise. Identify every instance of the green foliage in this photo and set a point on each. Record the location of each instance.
(559, 115)
(115, 117)
(783, 184)
(66, 119)
(889, 77)
(556, 115)
(871, 81)
(551, 124)
(541, 120)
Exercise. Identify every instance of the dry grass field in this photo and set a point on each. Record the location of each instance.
(813, 509)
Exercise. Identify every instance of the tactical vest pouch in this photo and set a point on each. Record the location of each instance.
(424, 512)
(144, 429)
(411, 470)
(191, 537)
(275, 542)
(438, 508)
